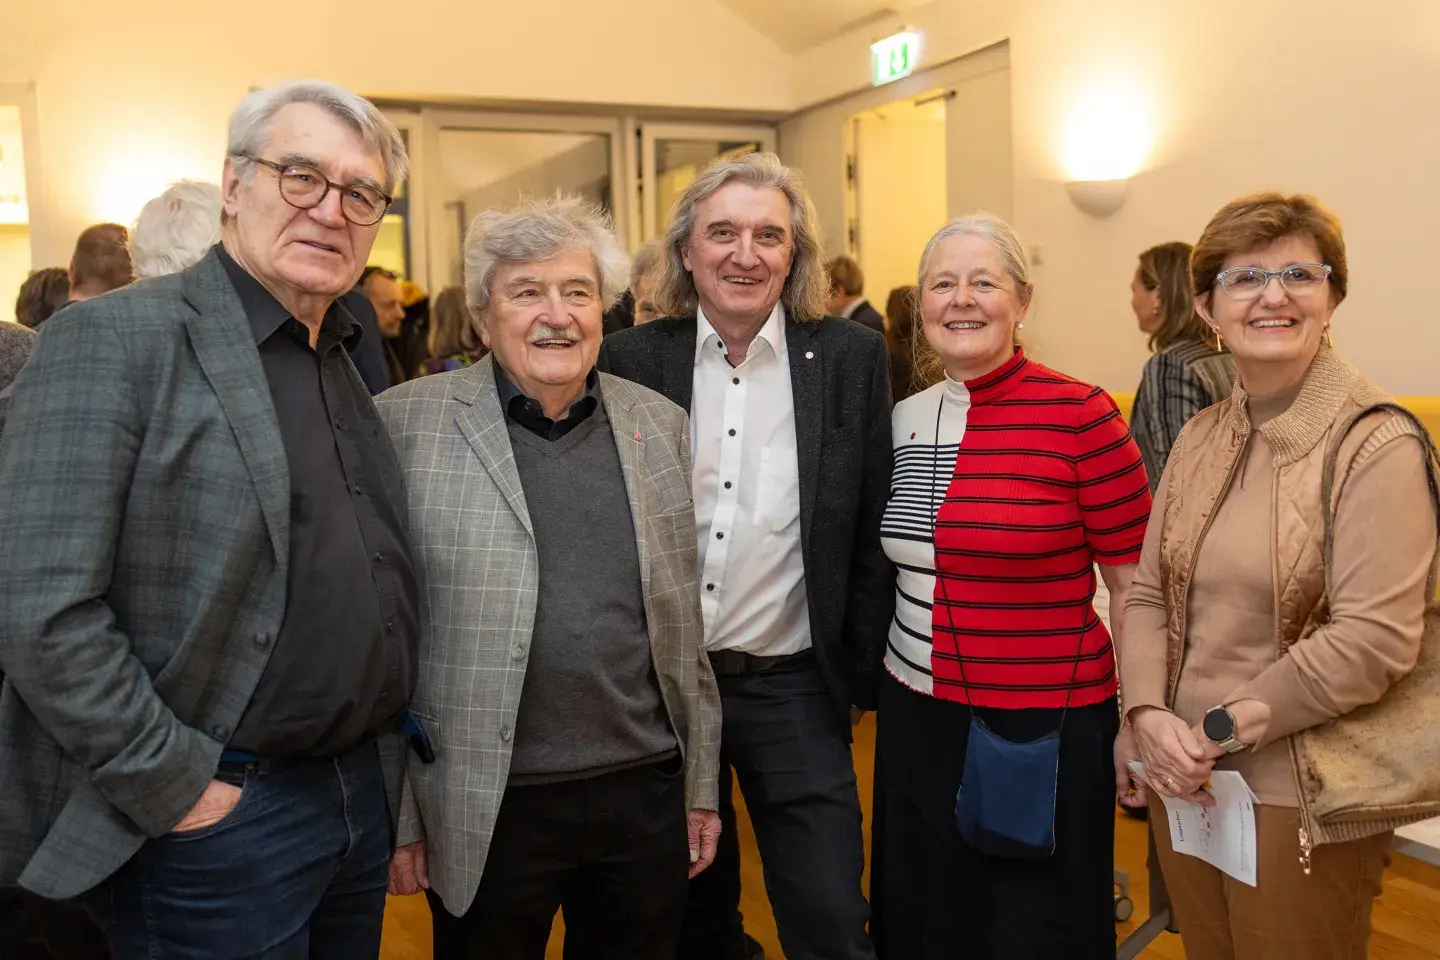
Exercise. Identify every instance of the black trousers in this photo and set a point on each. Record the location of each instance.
(611, 851)
(793, 762)
(935, 896)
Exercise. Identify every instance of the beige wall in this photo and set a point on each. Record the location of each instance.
(134, 95)
(1340, 100)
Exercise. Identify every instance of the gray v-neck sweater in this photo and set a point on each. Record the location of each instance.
(591, 702)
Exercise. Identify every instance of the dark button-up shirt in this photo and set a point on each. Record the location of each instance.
(530, 414)
(344, 661)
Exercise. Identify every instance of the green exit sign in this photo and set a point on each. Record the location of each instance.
(894, 57)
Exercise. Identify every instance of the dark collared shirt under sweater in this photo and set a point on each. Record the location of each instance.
(344, 662)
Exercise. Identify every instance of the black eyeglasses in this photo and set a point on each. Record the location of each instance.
(302, 186)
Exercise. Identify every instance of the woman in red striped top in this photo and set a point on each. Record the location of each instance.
(1012, 481)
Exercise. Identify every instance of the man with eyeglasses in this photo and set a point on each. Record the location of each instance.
(209, 617)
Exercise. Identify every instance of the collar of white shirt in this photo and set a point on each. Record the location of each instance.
(771, 335)
(849, 312)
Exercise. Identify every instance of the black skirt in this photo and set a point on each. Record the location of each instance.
(932, 895)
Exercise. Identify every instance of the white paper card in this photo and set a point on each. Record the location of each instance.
(1223, 835)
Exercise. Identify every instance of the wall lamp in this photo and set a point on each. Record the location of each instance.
(1105, 141)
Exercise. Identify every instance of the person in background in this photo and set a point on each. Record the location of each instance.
(209, 619)
(176, 229)
(1185, 374)
(415, 328)
(43, 292)
(1012, 480)
(15, 344)
(647, 271)
(382, 289)
(790, 414)
(101, 262)
(564, 688)
(1228, 662)
(453, 341)
(902, 322)
(847, 284)
(31, 927)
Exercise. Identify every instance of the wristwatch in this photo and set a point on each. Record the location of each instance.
(1219, 726)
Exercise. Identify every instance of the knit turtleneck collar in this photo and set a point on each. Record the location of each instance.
(1294, 433)
(995, 384)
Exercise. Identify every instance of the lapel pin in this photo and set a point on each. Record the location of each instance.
(809, 354)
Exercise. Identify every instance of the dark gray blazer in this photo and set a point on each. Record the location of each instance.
(840, 378)
(145, 518)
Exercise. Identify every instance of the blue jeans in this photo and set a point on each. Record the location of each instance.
(296, 871)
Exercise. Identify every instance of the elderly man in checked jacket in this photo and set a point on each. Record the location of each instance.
(568, 721)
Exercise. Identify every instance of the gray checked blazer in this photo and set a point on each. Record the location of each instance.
(472, 534)
(144, 542)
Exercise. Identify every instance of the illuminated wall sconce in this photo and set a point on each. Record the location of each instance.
(1099, 198)
(1105, 142)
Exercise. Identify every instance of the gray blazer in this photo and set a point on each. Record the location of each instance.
(144, 538)
(472, 534)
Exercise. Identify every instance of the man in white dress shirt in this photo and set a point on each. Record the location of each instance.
(791, 441)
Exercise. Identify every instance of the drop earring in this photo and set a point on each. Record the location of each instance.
(1219, 344)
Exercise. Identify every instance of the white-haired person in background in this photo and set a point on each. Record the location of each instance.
(569, 704)
(209, 621)
(176, 229)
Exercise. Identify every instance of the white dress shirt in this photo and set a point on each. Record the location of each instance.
(849, 312)
(747, 495)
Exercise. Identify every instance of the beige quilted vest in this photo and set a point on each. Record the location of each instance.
(1202, 465)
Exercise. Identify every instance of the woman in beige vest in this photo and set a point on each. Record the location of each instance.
(1222, 668)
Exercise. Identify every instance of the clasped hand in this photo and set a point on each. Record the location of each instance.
(1178, 759)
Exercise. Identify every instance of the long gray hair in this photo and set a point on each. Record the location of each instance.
(806, 289)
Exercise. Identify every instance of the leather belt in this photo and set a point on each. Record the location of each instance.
(732, 663)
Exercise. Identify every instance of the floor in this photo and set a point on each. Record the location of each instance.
(1407, 916)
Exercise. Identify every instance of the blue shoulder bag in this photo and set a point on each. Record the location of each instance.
(1005, 806)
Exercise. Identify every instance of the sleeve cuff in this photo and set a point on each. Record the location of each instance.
(1279, 687)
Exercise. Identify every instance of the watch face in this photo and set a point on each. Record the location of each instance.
(1219, 725)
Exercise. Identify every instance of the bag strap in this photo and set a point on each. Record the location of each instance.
(945, 597)
(1327, 487)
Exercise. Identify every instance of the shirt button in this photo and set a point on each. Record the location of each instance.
(719, 536)
(735, 380)
(732, 433)
(379, 558)
(727, 484)
(505, 733)
(390, 626)
(518, 651)
(262, 639)
(358, 491)
(221, 732)
(710, 587)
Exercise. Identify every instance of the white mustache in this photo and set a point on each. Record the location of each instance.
(544, 332)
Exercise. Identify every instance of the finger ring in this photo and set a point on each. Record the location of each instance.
(1169, 784)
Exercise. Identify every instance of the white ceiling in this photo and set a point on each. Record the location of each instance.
(798, 25)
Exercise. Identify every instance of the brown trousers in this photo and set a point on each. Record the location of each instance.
(1287, 915)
